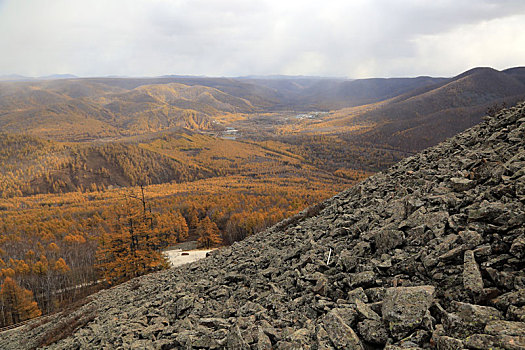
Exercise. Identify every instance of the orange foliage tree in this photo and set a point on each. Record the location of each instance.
(133, 247)
(16, 303)
(208, 232)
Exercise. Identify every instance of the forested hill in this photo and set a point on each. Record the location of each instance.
(429, 253)
(30, 165)
(393, 109)
(426, 115)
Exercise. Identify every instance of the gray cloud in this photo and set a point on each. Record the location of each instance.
(358, 38)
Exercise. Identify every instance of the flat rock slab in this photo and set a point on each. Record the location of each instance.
(505, 328)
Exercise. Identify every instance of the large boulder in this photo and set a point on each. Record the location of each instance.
(404, 308)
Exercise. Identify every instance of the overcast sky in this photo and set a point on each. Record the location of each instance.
(346, 38)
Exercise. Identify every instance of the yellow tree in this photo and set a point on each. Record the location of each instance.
(208, 233)
(133, 247)
(180, 226)
(171, 228)
(17, 303)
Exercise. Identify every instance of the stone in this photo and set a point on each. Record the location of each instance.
(263, 341)
(250, 308)
(486, 212)
(321, 286)
(357, 293)
(404, 308)
(300, 339)
(361, 279)
(481, 342)
(204, 341)
(511, 342)
(235, 340)
(516, 298)
(373, 331)
(516, 313)
(501, 327)
(340, 333)
(471, 239)
(469, 319)
(518, 247)
(214, 322)
(323, 339)
(472, 280)
(444, 342)
(375, 294)
(386, 240)
(347, 261)
(460, 184)
(404, 347)
(365, 311)
(183, 304)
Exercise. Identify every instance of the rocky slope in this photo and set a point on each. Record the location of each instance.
(428, 254)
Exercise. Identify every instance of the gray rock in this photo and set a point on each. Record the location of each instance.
(516, 298)
(515, 313)
(471, 239)
(501, 327)
(183, 304)
(323, 339)
(300, 339)
(472, 280)
(486, 212)
(518, 247)
(365, 311)
(263, 341)
(460, 184)
(469, 319)
(376, 294)
(481, 342)
(404, 308)
(373, 331)
(387, 240)
(361, 279)
(511, 342)
(340, 333)
(214, 322)
(142, 344)
(347, 261)
(235, 340)
(357, 293)
(444, 342)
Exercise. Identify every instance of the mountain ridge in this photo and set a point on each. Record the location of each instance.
(410, 122)
(121, 107)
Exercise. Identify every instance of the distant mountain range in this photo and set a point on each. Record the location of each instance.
(405, 113)
(16, 77)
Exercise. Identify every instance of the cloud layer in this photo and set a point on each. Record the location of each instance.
(358, 38)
